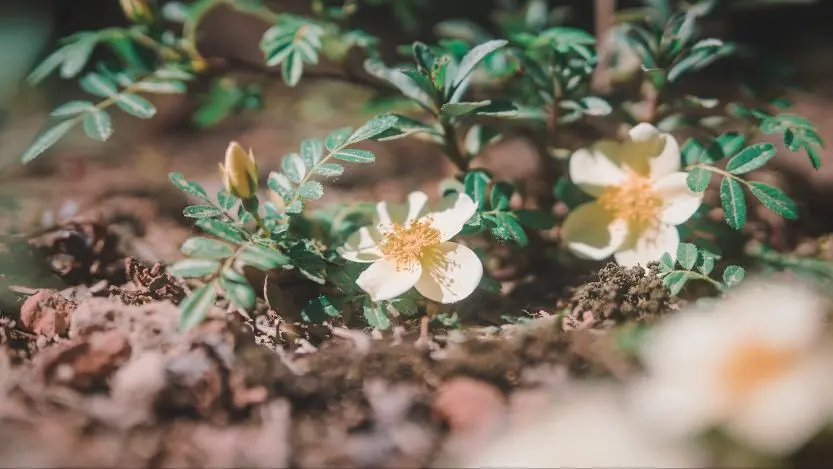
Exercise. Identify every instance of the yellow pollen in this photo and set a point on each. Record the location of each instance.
(406, 245)
(753, 364)
(633, 201)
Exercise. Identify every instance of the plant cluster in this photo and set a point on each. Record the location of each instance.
(637, 196)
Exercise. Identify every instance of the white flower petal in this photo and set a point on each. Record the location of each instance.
(676, 410)
(678, 201)
(416, 206)
(649, 245)
(451, 213)
(595, 169)
(450, 276)
(383, 281)
(786, 413)
(389, 213)
(362, 246)
(592, 232)
(650, 152)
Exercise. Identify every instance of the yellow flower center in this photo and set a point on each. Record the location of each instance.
(753, 364)
(406, 245)
(633, 201)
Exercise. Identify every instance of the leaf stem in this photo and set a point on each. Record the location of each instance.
(719, 171)
(452, 147)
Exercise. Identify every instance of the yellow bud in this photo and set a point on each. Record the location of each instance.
(240, 171)
(137, 11)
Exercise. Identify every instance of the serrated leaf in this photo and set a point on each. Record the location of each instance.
(226, 200)
(475, 183)
(500, 195)
(320, 309)
(733, 275)
(194, 267)
(206, 248)
(329, 169)
(311, 190)
(195, 307)
(774, 199)
(474, 57)
(136, 106)
(201, 211)
(687, 255)
(293, 167)
(338, 138)
(188, 187)
(98, 126)
(72, 108)
(698, 179)
(751, 158)
(312, 150)
(222, 230)
(375, 315)
(262, 257)
(675, 281)
(372, 128)
(280, 184)
(46, 140)
(98, 85)
(733, 202)
(354, 155)
(240, 293)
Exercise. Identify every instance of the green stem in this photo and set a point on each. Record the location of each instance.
(717, 170)
(452, 147)
(700, 276)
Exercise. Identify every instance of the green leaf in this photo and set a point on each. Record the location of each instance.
(535, 219)
(705, 264)
(312, 150)
(438, 73)
(190, 188)
(726, 144)
(403, 307)
(222, 230)
(375, 315)
(595, 106)
(262, 257)
(194, 268)
(226, 200)
(733, 202)
(423, 56)
(687, 255)
(338, 138)
(292, 68)
(329, 169)
(72, 108)
(281, 184)
(161, 87)
(460, 109)
(77, 54)
(698, 179)
(311, 190)
(201, 211)
(372, 128)
(666, 262)
(206, 248)
(136, 106)
(733, 275)
(475, 183)
(46, 140)
(294, 168)
(240, 293)
(405, 84)
(774, 199)
(508, 228)
(675, 281)
(320, 309)
(98, 126)
(98, 85)
(501, 194)
(354, 155)
(195, 307)
(474, 57)
(49, 64)
(295, 207)
(751, 158)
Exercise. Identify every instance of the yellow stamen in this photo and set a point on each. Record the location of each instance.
(753, 364)
(405, 246)
(633, 201)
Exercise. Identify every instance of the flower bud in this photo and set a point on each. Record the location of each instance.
(137, 11)
(239, 172)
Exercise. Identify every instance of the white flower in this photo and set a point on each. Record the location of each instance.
(758, 365)
(588, 428)
(410, 247)
(641, 195)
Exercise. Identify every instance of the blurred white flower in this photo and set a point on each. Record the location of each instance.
(588, 428)
(758, 364)
(409, 247)
(641, 197)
